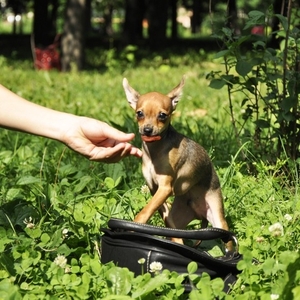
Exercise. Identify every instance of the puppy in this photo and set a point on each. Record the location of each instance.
(174, 165)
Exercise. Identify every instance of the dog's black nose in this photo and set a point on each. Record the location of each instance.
(148, 130)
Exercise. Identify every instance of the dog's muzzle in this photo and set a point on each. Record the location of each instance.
(147, 130)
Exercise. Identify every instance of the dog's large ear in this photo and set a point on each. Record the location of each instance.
(131, 95)
(176, 93)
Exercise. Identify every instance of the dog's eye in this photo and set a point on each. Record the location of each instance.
(139, 114)
(162, 116)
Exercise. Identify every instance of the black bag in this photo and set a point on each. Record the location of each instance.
(126, 242)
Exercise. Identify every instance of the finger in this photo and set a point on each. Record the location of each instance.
(113, 133)
(108, 154)
(136, 152)
(117, 156)
(131, 150)
(127, 151)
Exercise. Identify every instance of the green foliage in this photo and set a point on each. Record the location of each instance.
(264, 210)
(268, 78)
(53, 202)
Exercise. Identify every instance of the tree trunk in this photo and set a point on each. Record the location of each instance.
(108, 14)
(14, 31)
(53, 16)
(133, 26)
(196, 17)
(73, 38)
(157, 17)
(174, 32)
(88, 15)
(41, 28)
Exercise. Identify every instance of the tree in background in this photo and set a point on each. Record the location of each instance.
(157, 14)
(133, 24)
(18, 7)
(44, 22)
(73, 38)
(137, 16)
(174, 29)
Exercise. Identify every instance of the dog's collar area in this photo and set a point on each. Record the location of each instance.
(154, 138)
(158, 137)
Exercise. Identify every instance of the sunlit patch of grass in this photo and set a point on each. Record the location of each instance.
(56, 191)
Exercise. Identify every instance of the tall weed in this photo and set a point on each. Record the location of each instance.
(267, 77)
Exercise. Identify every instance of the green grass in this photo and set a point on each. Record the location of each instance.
(59, 189)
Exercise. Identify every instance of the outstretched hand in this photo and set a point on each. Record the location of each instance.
(94, 139)
(98, 141)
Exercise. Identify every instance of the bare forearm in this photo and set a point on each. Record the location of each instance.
(19, 114)
(92, 138)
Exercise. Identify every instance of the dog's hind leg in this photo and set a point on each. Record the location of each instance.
(215, 210)
(178, 216)
(181, 213)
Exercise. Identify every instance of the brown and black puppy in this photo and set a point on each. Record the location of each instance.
(174, 165)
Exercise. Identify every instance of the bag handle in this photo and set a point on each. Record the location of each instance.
(200, 234)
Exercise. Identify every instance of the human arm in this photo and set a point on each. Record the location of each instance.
(94, 139)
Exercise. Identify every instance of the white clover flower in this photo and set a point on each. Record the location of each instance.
(288, 217)
(141, 261)
(68, 270)
(274, 296)
(155, 267)
(29, 223)
(145, 189)
(61, 261)
(276, 229)
(260, 239)
(65, 233)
